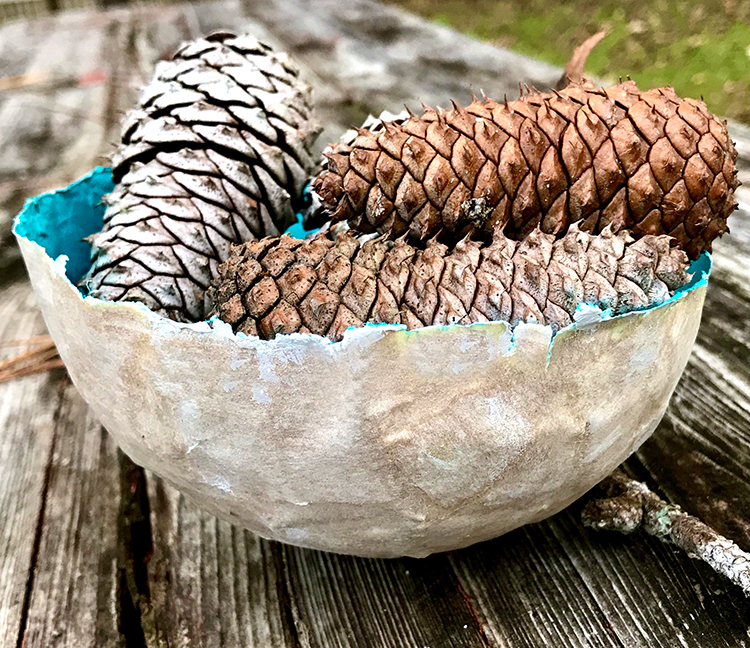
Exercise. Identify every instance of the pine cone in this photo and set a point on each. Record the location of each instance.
(217, 152)
(284, 285)
(649, 162)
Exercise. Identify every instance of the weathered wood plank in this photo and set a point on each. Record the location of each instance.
(76, 570)
(12, 197)
(528, 592)
(57, 130)
(700, 454)
(27, 409)
(557, 584)
(56, 134)
(346, 601)
(211, 584)
(19, 42)
(382, 56)
(725, 328)
(76, 564)
(363, 57)
(68, 116)
(653, 595)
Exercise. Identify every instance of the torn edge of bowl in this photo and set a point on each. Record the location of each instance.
(87, 192)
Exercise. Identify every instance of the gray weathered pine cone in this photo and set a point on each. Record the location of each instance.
(217, 152)
(283, 285)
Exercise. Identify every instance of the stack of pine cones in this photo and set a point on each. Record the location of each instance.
(518, 211)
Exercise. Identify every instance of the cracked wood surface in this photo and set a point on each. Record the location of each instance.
(96, 552)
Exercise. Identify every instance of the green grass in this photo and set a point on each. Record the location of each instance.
(699, 48)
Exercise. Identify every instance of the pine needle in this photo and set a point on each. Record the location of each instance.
(40, 357)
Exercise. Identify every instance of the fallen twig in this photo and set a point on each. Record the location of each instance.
(626, 505)
(42, 356)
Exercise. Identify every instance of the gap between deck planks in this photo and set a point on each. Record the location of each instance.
(88, 526)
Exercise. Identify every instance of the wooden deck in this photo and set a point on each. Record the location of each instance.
(95, 552)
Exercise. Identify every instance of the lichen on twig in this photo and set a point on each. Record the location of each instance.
(626, 505)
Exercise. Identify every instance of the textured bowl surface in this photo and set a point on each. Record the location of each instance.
(388, 443)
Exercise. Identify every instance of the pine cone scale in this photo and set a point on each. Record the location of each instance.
(682, 136)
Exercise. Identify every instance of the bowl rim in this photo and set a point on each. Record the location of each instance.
(70, 270)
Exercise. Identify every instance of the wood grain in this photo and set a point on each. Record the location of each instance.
(699, 454)
(65, 528)
(654, 595)
(211, 584)
(76, 570)
(57, 131)
(528, 577)
(346, 601)
(27, 409)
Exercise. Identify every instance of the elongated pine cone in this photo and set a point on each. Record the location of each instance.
(284, 285)
(217, 152)
(649, 162)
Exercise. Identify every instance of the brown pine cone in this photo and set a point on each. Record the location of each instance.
(217, 152)
(648, 161)
(284, 285)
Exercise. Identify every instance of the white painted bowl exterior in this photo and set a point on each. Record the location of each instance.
(389, 443)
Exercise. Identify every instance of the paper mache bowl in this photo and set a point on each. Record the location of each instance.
(388, 443)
